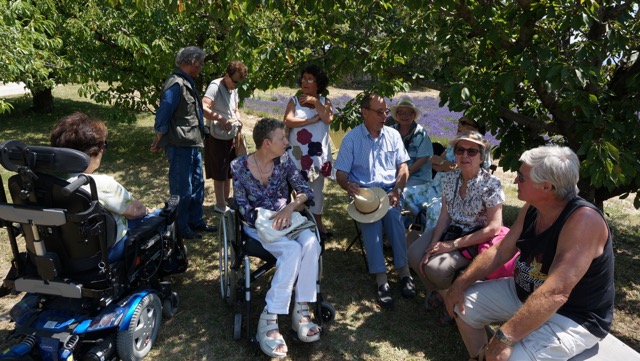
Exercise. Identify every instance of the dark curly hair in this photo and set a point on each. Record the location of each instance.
(81, 132)
(322, 80)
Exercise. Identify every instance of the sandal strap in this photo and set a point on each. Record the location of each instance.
(264, 328)
(303, 311)
(269, 316)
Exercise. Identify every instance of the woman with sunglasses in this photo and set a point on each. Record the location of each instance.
(446, 162)
(220, 108)
(443, 163)
(308, 116)
(471, 214)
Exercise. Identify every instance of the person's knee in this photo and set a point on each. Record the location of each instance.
(441, 277)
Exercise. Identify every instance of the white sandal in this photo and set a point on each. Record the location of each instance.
(268, 345)
(300, 311)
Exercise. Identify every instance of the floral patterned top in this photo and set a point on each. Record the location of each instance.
(114, 197)
(310, 148)
(484, 191)
(250, 194)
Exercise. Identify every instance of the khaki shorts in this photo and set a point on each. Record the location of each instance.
(496, 301)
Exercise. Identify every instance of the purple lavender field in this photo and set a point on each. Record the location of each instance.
(441, 124)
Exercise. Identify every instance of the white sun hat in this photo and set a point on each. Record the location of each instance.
(369, 205)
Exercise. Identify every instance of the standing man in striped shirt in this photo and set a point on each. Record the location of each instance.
(373, 156)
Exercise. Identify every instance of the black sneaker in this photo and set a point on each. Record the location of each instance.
(408, 288)
(384, 296)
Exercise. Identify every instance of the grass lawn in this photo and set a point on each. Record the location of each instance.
(202, 329)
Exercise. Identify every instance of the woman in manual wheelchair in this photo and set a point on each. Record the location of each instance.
(263, 180)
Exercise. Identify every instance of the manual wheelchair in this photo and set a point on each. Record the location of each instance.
(86, 296)
(236, 276)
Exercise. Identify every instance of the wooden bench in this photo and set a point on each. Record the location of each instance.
(609, 349)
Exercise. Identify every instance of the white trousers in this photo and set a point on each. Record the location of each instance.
(295, 259)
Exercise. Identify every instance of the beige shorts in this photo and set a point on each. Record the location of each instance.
(496, 301)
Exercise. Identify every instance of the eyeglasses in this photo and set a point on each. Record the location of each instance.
(406, 112)
(380, 112)
(307, 80)
(471, 152)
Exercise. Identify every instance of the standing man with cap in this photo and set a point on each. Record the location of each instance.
(372, 168)
(180, 130)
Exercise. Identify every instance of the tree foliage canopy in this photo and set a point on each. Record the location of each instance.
(532, 71)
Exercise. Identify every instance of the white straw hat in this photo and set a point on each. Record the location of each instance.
(369, 205)
(405, 102)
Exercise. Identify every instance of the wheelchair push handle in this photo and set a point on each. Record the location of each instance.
(75, 185)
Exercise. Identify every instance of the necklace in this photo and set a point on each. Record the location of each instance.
(260, 172)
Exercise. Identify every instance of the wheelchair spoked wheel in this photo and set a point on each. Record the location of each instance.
(136, 341)
(228, 277)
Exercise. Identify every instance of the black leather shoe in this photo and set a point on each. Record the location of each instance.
(384, 296)
(205, 228)
(408, 288)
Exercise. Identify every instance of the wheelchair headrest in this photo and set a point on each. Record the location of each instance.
(15, 154)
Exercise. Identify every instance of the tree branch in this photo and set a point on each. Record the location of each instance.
(536, 125)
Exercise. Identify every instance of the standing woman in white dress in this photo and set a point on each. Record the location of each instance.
(308, 116)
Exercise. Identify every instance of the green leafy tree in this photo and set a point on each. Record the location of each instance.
(529, 70)
(567, 71)
(29, 49)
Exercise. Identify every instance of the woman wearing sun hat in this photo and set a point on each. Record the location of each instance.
(472, 200)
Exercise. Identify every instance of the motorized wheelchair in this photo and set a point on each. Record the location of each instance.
(87, 297)
(236, 251)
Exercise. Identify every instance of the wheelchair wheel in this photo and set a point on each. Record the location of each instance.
(327, 312)
(170, 305)
(237, 326)
(228, 276)
(135, 342)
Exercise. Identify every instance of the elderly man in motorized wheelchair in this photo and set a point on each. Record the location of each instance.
(94, 288)
(263, 182)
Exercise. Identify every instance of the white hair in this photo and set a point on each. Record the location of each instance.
(556, 165)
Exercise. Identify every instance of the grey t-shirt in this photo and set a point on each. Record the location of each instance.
(225, 101)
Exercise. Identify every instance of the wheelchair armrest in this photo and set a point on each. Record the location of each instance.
(147, 229)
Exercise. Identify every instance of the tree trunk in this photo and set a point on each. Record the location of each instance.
(43, 101)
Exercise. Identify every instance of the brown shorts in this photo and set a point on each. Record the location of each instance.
(218, 155)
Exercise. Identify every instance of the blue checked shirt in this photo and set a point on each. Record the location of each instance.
(371, 162)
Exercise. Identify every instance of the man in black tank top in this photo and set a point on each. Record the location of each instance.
(560, 300)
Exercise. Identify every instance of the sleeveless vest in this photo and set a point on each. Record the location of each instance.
(590, 303)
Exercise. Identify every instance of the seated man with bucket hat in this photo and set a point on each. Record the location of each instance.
(372, 168)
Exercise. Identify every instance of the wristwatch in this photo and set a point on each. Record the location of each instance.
(500, 336)
(398, 190)
(456, 244)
